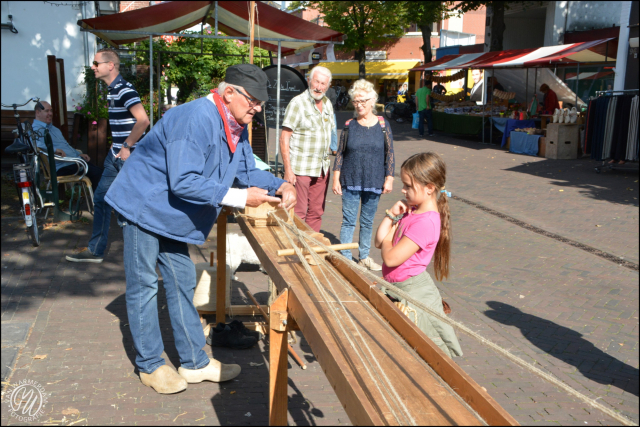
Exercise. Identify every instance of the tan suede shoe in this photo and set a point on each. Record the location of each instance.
(214, 371)
(164, 380)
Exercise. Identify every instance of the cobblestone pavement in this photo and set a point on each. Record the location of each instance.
(571, 312)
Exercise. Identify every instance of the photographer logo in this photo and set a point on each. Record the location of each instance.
(27, 400)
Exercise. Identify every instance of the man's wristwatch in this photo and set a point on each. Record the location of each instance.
(126, 145)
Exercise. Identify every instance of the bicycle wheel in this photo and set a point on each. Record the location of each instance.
(29, 210)
(388, 110)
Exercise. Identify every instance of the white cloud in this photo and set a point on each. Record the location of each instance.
(66, 43)
(71, 29)
(36, 40)
(56, 44)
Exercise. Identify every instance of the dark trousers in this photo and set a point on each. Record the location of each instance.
(94, 173)
(425, 114)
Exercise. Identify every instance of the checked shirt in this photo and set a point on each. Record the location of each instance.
(309, 143)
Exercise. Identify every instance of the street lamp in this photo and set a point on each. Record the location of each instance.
(433, 52)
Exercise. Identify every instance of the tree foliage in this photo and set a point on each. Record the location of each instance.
(194, 75)
(425, 13)
(367, 24)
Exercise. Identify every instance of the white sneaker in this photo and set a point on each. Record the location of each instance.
(214, 371)
(370, 264)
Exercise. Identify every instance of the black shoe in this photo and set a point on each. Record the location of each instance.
(224, 336)
(236, 324)
(432, 134)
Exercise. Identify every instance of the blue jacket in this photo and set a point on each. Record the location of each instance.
(174, 181)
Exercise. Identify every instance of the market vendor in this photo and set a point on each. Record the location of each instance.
(550, 100)
(168, 194)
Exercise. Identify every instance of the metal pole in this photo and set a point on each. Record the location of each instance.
(535, 85)
(526, 91)
(577, 85)
(151, 81)
(483, 108)
(278, 108)
(159, 73)
(493, 72)
(216, 13)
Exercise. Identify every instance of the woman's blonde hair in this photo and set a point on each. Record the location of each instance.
(429, 168)
(367, 87)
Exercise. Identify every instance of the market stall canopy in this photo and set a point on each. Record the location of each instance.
(233, 19)
(379, 69)
(595, 51)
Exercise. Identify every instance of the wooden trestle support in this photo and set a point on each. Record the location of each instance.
(437, 392)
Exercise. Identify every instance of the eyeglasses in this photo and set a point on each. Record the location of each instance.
(252, 101)
(362, 102)
(103, 62)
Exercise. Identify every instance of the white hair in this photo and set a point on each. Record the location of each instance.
(222, 86)
(365, 87)
(322, 70)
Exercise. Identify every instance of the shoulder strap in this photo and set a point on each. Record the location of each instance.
(382, 124)
(347, 122)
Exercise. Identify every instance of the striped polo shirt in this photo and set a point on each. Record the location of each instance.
(121, 97)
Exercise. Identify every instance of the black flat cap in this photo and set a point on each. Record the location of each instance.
(250, 77)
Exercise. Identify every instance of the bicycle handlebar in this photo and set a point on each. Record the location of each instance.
(34, 99)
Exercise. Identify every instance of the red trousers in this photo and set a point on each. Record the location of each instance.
(311, 194)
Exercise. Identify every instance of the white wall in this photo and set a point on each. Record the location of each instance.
(43, 29)
(579, 16)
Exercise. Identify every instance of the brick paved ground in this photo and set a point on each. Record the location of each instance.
(571, 312)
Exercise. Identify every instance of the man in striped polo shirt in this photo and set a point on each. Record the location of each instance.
(128, 121)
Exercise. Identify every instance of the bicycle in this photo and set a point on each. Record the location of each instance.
(26, 173)
(400, 111)
(342, 98)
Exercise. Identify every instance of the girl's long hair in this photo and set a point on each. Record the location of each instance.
(429, 168)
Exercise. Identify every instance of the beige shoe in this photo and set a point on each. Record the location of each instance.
(214, 371)
(370, 264)
(164, 380)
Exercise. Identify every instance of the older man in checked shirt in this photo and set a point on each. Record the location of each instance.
(305, 146)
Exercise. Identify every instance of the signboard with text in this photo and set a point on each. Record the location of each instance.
(292, 84)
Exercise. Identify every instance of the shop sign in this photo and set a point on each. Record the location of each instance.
(371, 55)
(315, 56)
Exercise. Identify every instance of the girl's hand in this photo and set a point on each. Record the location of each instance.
(337, 188)
(400, 208)
(388, 185)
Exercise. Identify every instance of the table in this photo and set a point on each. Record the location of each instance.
(523, 143)
(458, 123)
(515, 124)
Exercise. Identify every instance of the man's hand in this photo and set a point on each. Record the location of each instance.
(85, 157)
(289, 195)
(60, 153)
(257, 196)
(290, 177)
(123, 154)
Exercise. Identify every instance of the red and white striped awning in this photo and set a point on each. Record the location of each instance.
(585, 52)
(233, 20)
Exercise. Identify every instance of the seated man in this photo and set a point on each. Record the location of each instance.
(44, 117)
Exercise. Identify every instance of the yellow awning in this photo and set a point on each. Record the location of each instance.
(396, 70)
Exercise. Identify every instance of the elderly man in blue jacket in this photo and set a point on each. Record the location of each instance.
(168, 194)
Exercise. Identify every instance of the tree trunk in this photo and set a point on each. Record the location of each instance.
(362, 66)
(497, 26)
(426, 42)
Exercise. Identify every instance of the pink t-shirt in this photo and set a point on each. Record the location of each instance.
(424, 230)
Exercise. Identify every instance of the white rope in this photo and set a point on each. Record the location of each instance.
(557, 382)
(355, 345)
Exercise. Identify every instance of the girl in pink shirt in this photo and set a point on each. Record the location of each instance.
(415, 231)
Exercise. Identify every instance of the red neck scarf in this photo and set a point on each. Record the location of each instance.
(232, 128)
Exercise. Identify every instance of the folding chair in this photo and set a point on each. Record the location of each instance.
(78, 179)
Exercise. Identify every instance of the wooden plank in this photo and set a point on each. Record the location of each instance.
(221, 289)
(238, 310)
(459, 380)
(278, 375)
(318, 249)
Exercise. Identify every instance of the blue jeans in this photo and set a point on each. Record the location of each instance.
(334, 136)
(425, 114)
(142, 250)
(101, 209)
(350, 204)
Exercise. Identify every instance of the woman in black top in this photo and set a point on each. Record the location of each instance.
(363, 169)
